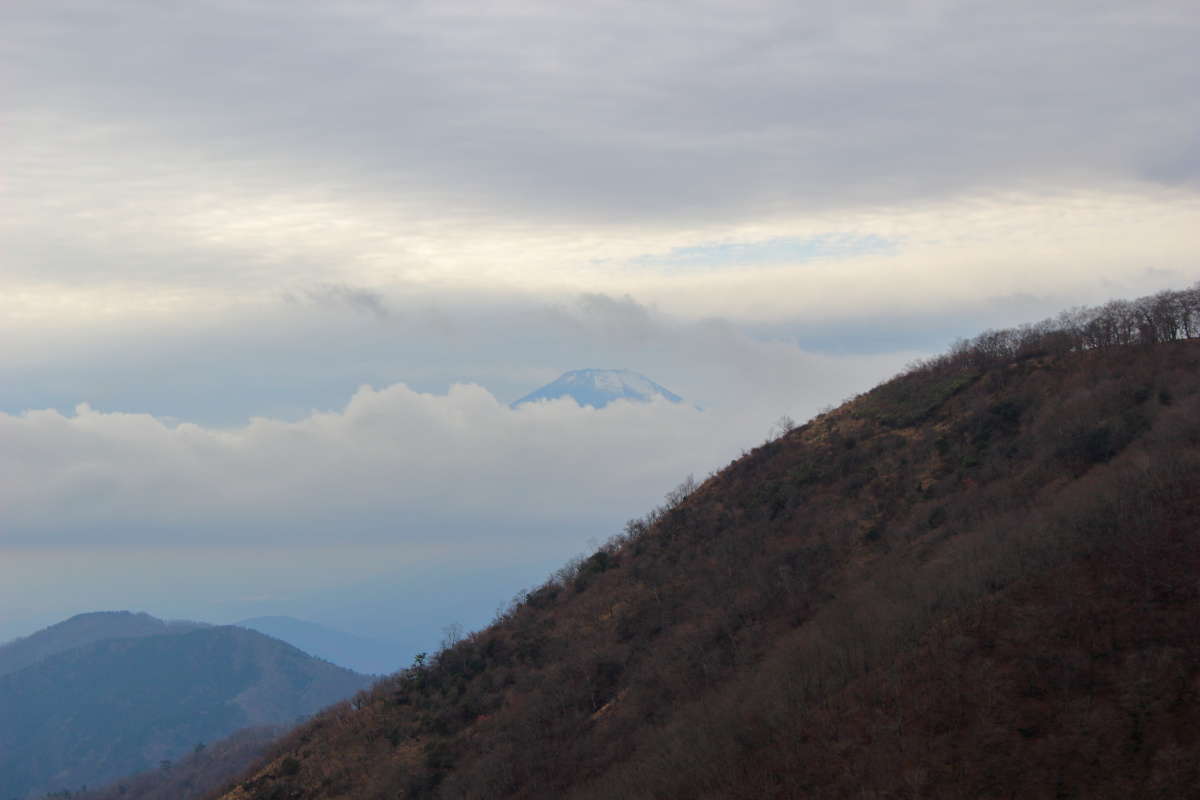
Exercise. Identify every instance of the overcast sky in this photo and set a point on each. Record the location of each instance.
(271, 272)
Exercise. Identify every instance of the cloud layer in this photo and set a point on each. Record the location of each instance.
(169, 156)
(619, 110)
(398, 465)
(394, 464)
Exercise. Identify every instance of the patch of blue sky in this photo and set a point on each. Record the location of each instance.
(778, 250)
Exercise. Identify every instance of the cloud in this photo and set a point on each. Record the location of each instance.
(284, 360)
(181, 156)
(342, 296)
(392, 465)
(617, 111)
(779, 250)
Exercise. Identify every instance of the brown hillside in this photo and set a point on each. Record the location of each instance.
(207, 766)
(981, 579)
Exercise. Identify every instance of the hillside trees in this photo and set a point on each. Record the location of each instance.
(208, 766)
(976, 580)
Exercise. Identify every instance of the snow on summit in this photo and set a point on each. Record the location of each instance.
(599, 387)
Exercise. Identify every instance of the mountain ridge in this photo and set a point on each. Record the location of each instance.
(83, 629)
(975, 580)
(363, 655)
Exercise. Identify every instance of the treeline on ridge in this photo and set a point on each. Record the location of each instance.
(1167, 316)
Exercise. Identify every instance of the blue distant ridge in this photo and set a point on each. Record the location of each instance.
(599, 387)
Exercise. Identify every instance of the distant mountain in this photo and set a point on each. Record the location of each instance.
(81, 630)
(355, 652)
(113, 707)
(599, 387)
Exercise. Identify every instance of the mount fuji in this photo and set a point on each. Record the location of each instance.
(599, 387)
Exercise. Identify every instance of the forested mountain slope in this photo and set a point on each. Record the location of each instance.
(107, 709)
(980, 579)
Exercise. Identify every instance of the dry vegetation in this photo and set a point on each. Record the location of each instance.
(208, 765)
(978, 580)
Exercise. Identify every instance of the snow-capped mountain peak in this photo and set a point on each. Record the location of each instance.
(599, 387)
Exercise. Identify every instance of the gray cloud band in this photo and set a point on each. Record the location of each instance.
(602, 112)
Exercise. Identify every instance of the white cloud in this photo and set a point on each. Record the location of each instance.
(394, 464)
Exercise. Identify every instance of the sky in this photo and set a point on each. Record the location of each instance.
(271, 272)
